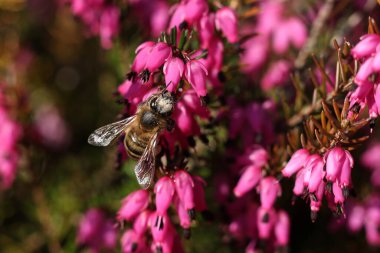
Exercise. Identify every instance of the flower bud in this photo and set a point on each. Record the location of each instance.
(248, 180)
(226, 21)
(133, 204)
(173, 71)
(164, 190)
(296, 162)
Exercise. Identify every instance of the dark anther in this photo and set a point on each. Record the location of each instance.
(279, 177)
(134, 247)
(265, 218)
(161, 224)
(183, 25)
(131, 75)
(346, 192)
(191, 141)
(156, 222)
(205, 100)
(187, 233)
(313, 216)
(221, 76)
(355, 108)
(328, 187)
(372, 123)
(145, 75)
(191, 213)
(158, 249)
(313, 197)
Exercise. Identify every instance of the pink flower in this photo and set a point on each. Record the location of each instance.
(194, 10)
(298, 188)
(206, 31)
(372, 226)
(316, 175)
(96, 231)
(335, 159)
(142, 56)
(291, 31)
(356, 218)
(226, 21)
(296, 162)
(366, 47)
(183, 216)
(196, 75)
(133, 204)
(338, 194)
(248, 180)
(164, 190)
(184, 186)
(157, 56)
(173, 71)
(265, 222)
(269, 190)
(109, 26)
(282, 228)
(277, 75)
(140, 225)
(345, 175)
(255, 53)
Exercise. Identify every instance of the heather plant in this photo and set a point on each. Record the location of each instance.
(270, 145)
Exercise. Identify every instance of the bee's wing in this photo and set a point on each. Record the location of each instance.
(105, 134)
(146, 166)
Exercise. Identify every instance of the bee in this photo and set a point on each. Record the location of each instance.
(141, 134)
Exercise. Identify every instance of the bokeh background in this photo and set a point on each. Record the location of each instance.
(62, 83)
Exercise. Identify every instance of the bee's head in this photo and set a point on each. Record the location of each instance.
(162, 103)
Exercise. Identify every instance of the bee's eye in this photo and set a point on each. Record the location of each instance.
(153, 104)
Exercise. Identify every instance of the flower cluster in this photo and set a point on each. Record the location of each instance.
(100, 17)
(366, 215)
(10, 132)
(317, 176)
(184, 191)
(249, 220)
(368, 92)
(276, 32)
(96, 231)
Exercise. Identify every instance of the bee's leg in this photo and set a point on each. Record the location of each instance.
(170, 124)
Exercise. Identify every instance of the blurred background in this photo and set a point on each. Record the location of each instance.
(59, 83)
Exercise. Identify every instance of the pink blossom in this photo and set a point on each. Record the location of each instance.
(298, 188)
(372, 226)
(316, 175)
(338, 194)
(184, 186)
(142, 56)
(140, 225)
(133, 204)
(248, 180)
(335, 159)
(291, 31)
(164, 190)
(255, 53)
(277, 75)
(371, 157)
(109, 26)
(269, 190)
(312, 162)
(195, 74)
(366, 47)
(226, 21)
(173, 71)
(265, 222)
(345, 175)
(195, 9)
(296, 162)
(96, 231)
(356, 218)
(282, 228)
(206, 31)
(159, 53)
(183, 216)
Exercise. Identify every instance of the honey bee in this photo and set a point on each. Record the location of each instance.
(141, 134)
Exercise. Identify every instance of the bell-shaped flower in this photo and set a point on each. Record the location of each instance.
(173, 71)
(133, 204)
(338, 194)
(142, 55)
(184, 218)
(269, 190)
(157, 56)
(356, 217)
(335, 159)
(196, 75)
(311, 162)
(316, 201)
(164, 190)
(282, 229)
(265, 222)
(277, 75)
(296, 162)
(366, 47)
(248, 180)
(140, 225)
(372, 226)
(194, 10)
(298, 188)
(206, 31)
(184, 186)
(226, 20)
(316, 175)
(345, 175)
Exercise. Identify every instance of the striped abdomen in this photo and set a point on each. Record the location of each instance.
(134, 143)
